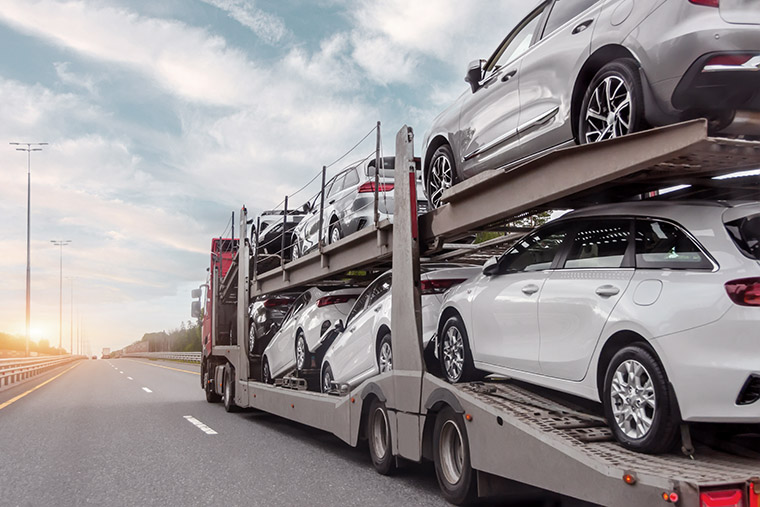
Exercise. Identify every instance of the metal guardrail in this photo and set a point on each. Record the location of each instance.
(17, 370)
(188, 357)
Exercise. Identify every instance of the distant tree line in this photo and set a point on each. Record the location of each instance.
(9, 342)
(186, 338)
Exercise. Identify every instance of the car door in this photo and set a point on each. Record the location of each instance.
(330, 201)
(361, 350)
(489, 117)
(505, 307)
(577, 298)
(548, 73)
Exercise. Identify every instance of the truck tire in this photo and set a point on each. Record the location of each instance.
(451, 456)
(229, 390)
(379, 438)
(211, 396)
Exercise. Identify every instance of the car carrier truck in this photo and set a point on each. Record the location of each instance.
(487, 437)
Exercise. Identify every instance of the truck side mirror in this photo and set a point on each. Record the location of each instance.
(195, 294)
(475, 74)
(195, 309)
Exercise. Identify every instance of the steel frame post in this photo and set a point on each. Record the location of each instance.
(377, 175)
(320, 243)
(284, 226)
(256, 251)
(241, 310)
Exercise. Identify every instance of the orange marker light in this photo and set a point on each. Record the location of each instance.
(292, 406)
(666, 496)
(468, 417)
(353, 400)
(629, 479)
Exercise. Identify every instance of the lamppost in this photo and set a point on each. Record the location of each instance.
(60, 243)
(71, 318)
(28, 151)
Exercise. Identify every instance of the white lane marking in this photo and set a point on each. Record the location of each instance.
(130, 378)
(121, 372)
(205, 429)
(147, 390)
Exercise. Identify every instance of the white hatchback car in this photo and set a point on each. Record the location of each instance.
(362, 346)
(302, 330)
(652, 308)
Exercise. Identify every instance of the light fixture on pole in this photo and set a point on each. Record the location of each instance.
(28, 151)
(60, 243)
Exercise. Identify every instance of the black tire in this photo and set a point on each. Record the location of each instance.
(251, 338)
(325, 378)
(266, 375)
(451, 456)
(595, 129)
(304, 357)
(334, 231)
(379, 438)
(441, 174)
(229, 390)
(211, 396)
(384, 353)
(661, 435)
(296, 250)
(454, 353)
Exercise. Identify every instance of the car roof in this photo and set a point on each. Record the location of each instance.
(664, 208)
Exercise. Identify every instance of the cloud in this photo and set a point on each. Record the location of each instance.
(268, 27)
(62, 69)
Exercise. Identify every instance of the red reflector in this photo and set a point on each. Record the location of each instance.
(370, 187)
(744, 292)
(723, 498)
(708, 3)
(735, 60)
(333, 300)
(274, 302)
(754, 495)
(439, 286)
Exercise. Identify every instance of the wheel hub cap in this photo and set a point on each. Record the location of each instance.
(633, 399)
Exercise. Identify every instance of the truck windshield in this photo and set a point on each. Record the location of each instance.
(746, 234)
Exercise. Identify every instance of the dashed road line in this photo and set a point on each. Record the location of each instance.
(205, 429)
(147, 390)
(121, 372)
(130, 378)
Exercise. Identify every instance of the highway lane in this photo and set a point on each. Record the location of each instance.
(115, 432)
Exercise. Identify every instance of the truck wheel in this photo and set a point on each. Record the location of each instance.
(302, 352)
(229, 390)
(211, 396)
(379, 437)
(385, 354)
(451, 454)
(638, 403)
(454, 353)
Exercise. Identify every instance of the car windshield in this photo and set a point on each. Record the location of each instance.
(746, 234)
(387, 170)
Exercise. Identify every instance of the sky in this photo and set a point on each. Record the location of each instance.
(163, 118)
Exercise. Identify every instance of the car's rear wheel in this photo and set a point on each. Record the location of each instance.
(379, 437)
(296, 251)
(335, 233)
(441, 175)
(385, 353)
(613, 105)
(454, 352)
(302, 352)
(638, 403)
(451, 456)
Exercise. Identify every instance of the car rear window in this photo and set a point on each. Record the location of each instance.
(746, 234)
(662, 245)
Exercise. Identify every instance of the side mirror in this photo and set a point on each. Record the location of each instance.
(306, 207)
(340, 326)
(491, 267)
(475, 74)
(195, 294)
(195, 309)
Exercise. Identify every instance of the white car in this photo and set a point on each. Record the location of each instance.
(362, 347)
(652, 308)
(302, 329)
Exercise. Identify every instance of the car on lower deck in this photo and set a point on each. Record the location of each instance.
(651, 308)
(361, 345)
(298, 342)
(583, 71)
(266, 313)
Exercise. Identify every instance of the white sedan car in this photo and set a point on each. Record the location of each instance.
(652, 308)
(362, 347)
(302, 330)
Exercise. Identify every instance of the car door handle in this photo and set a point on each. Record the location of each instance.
(509, 75)
(331, 202)
(607, 290)
(377, 309)
(352, 329)
(529, 290)
(582, 27)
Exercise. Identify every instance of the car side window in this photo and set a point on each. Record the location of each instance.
(352, 178)
(599, 244)
(380, 289)
(662, 245)
(359, 304)
(517, 42)
(536, 252)
(563, 11)
(337, 185)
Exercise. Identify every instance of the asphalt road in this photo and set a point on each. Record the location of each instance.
(115, 432)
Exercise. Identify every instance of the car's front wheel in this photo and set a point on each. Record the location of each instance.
(441, 175)
(613, 105)
(335, 233)
(638, 403)
(296, 251)
(454, 352)
(385, 354)
(266, 374)
(302, 351)
(327, 379)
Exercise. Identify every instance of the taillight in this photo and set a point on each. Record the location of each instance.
(754, 494)
(732, 60)
(439, 286)
(370, 187)
(722, 498)
(744, 292)
(707, 3)
(333, 300)
(275, 302)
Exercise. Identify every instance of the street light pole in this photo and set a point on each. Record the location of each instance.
(28, 151)
(71, 318)
(60, 243)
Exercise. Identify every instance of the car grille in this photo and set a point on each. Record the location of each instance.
(750, 393)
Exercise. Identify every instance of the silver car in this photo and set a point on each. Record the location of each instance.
(582, 71)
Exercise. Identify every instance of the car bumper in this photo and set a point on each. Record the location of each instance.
(709, 367)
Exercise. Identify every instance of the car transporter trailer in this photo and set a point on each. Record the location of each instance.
(479, 434)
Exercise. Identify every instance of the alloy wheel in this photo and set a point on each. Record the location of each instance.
(385, 357)
(266, 376)
(327, 380)
(608, 114)
(334, 234)
(453, 353)
(300, 352)
(441, 178)
(633, 399)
